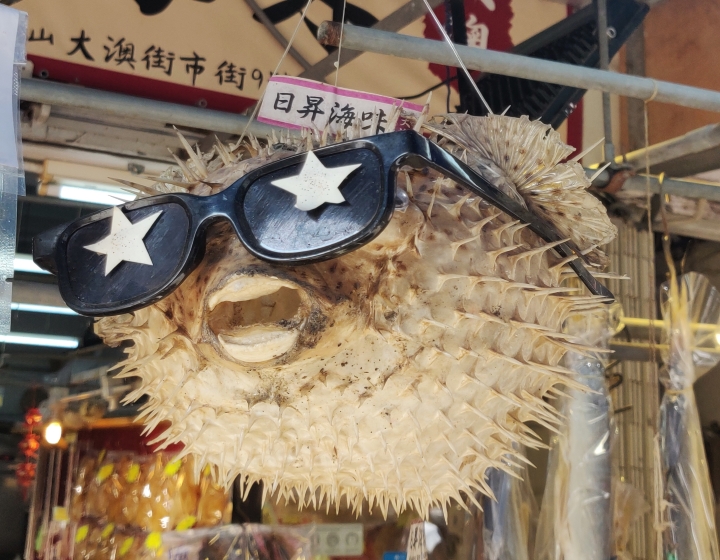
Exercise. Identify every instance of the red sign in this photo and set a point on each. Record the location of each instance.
(488, 27)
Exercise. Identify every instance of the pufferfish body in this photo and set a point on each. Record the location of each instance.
(397, 373)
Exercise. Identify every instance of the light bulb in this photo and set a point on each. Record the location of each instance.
(53, 432)
(717, 337)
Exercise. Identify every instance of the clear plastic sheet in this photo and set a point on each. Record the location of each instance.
(629, 506)
(504, 529)
(509, 521)
(13, 25)
(240, 542)
(688, 513)
(703, 315)
(576, 517)
(8, 225)
(146, 493)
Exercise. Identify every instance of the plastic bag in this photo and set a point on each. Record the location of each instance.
(100, 492)
(214, 507)
(576, 515)
(85, 473)
(689, 515)
(168, 498)
(147, 493)
(510, 521)
(629, 506)
(240, 542)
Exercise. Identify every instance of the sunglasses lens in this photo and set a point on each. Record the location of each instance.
(126, 256)
(276, 227)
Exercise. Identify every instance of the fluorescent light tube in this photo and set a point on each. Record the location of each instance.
(34, 308)
(105, 197)
(40, 340)
(24, 263)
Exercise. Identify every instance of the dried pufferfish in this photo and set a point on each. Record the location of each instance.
(526, 159)
(395, 374)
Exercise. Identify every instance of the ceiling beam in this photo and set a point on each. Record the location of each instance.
(120, 105)
(689, 154)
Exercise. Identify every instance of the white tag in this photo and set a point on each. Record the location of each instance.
(416, 549)
(339, 539)
(9, 20)
(298, 103)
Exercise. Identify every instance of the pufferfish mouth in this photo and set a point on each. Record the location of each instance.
(256, 318)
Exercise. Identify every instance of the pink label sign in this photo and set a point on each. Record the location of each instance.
(298, 103)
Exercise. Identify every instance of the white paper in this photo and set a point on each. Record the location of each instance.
(339, 539)
(299, 103)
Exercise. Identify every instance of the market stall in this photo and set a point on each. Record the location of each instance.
(322, 279)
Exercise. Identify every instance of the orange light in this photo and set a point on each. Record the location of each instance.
(53, 432)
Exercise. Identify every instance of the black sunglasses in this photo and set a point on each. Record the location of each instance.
(265, 219)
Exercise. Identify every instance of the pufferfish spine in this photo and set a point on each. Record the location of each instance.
(420, 358)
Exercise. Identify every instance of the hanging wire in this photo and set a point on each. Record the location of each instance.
(457, 55)
(342, 29)
(657, 471)
(428, 90)
(282, 58)
(648, 202)
(449, 88)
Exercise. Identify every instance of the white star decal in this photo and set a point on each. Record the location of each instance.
(125, 242)
(316, 184)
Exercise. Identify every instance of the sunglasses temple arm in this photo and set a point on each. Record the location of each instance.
(43, 248)
(461, 173)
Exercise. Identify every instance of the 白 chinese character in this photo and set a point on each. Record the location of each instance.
(50, 38)
(120, 52)
(368, 116)
(312, 106)
(284, 101)
(228, 73)
(80, 45)
(193, 65)
(477, 32)
(346, 115)
(155, 57)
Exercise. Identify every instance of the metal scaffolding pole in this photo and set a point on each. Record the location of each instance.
(639, 183)
(602, 32)
(689, 151)
(119, 105)
(494, 62)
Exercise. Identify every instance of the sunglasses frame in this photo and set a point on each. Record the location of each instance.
(394, 150)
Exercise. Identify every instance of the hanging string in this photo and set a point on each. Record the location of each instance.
(648, 203)
(457, 55)
(282, 58)
(658, 487)
(342, 29)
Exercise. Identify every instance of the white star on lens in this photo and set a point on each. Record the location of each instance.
(316, 184)
(125, 242)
